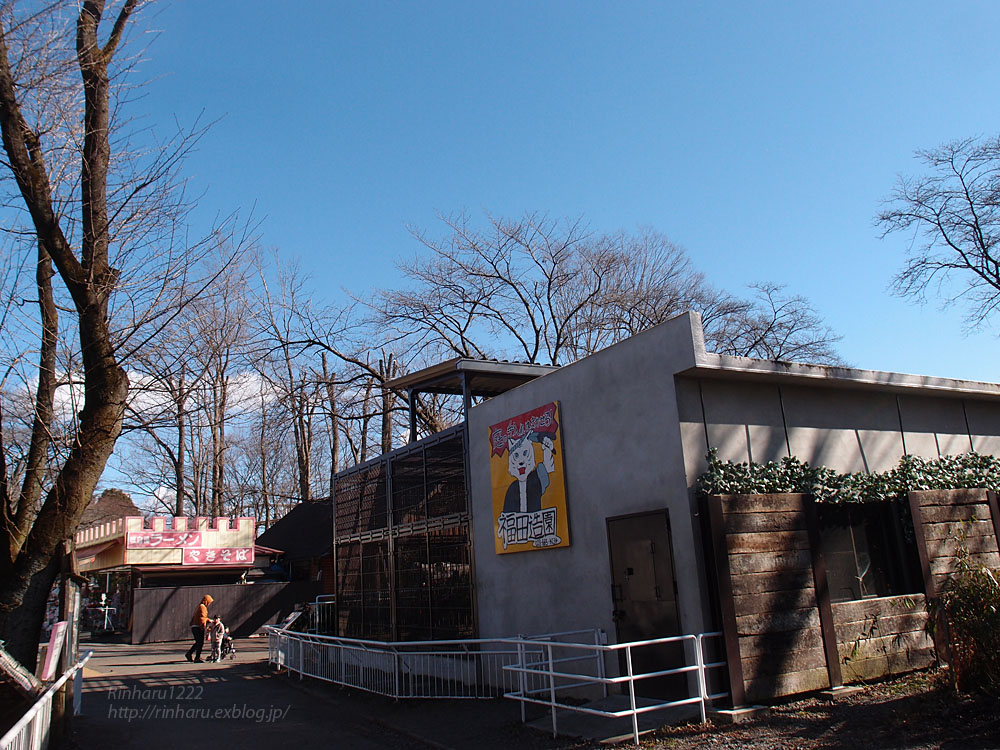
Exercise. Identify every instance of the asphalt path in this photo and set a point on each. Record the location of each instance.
(150, 697)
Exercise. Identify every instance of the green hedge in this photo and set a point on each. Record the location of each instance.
(968, 470)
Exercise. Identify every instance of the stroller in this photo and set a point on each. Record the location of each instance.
(227, 647)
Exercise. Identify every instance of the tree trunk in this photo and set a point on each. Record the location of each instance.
(90, 281)
(21, 625)
(41, 429)
(219, 445)
(303, 441)
(265, 489)
(366, 416)
(181, 448)
(334, 435)
(331, 398)
(386, 368)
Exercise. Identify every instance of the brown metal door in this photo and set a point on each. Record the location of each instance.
(644, 597)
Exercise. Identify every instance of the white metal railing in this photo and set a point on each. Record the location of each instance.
(31, 732)
(322, 613)
(542, 669)
(469, 668)
(542, 678)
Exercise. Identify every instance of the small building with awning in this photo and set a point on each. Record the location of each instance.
(160, 549)
(154, 571)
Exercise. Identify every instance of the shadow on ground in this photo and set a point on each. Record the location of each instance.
(150, 697)
(918, 711)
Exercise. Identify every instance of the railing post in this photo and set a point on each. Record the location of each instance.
(521, 676)
(631, 695)
(702, 687)
(78, 692)
(395, 670)
(552, 690)
(302, 652)
(599, 641)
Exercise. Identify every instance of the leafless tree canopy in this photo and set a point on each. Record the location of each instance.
(550, 291)
(777, 326)
(952, 214)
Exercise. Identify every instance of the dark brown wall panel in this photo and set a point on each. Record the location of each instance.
(164, 614)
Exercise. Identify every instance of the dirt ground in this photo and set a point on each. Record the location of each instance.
(918, 711)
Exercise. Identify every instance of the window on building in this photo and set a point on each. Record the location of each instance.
(869, 549)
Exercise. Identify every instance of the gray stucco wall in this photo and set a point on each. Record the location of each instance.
(622, 454)
(845, 428)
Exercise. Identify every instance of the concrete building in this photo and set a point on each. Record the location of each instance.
(442, 538)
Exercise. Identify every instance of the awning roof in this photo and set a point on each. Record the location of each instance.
(89, 554)
(484, 378)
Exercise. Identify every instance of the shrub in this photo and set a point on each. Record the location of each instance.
(969, 607)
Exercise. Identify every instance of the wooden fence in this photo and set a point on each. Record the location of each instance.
(784, 635)
(948, 519)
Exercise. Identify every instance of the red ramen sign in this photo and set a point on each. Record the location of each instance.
(161, 539)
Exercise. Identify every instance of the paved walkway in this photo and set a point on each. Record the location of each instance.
(149, 697)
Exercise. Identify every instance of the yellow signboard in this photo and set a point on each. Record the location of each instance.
(529, 484)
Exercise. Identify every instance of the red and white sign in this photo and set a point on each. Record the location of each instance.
(223, 556)
(160, 539)
(56, 640)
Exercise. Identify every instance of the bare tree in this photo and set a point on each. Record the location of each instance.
(775, 326)
(224, 325)
(166, 377)
(485, 291)
(261, 475)
(650, 280)
(360, 408)
(953, 213)
(547, 291)
(287, 365)
(101, 208)
(27, 570)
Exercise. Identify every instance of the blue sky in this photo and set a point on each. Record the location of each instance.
(759, 136)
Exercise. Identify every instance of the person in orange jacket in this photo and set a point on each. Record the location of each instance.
(198, 622)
